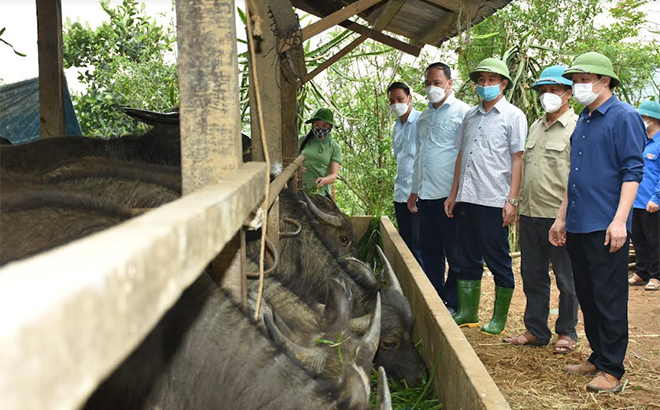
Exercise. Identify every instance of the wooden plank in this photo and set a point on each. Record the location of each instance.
(51, 102)
(387, 15)
(361, 223)
(436, 31)
(209, 91)
(462, 381)
(71, 315)
(373, 34)
(337, 17)
(318, 70)
(451, 5)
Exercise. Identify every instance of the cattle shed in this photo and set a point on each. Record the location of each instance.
(93, 301)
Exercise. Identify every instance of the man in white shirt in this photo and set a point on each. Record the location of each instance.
(437, 128)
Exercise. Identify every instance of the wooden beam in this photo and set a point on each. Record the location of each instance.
(51, 102)
(208, 91)
(436, 31)
(278, 183)
(355, 27)
(97, 298)
(337, 17)
(387, 14)
(451, 5)
(333, 59)
(444, 343)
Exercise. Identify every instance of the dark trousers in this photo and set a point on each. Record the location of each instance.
(482, 237)
(536, 254)
(601, 285)
(409, 229)
(438, 241)
(646, 240)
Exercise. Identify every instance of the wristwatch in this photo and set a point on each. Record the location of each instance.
(512, 201)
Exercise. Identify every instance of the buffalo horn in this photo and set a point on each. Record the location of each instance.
(360, 324)
(388, 272)
(333, 220)
(313, 360)
(384, 400)
(371, 339)
(153, 118)
(360, 272)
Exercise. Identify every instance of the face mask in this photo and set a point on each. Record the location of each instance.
(399, 109)
(435, 94)
(584, 93)
(551, 102)
(490, 92)
(320, 133)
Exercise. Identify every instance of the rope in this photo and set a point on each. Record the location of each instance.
(253, 71)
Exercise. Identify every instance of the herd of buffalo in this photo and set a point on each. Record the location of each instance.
(325, 319)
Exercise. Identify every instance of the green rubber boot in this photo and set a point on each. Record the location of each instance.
(469, 293)
(500, 311)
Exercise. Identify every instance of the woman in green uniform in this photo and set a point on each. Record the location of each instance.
(320, 168)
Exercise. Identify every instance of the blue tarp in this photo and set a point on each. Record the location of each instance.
(19, 111)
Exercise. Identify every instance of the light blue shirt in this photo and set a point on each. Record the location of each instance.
(405, 145)
(487, 140)
(434, 162)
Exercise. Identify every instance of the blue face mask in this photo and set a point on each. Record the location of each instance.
(490, 92)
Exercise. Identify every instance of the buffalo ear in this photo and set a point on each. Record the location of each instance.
(338, 306)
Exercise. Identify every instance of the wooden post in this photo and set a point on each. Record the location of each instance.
(211, 144)
(265, 70)
(51, 103)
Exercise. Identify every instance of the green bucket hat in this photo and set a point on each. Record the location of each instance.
(322, 114)
(649, 109)
(491, 65)
(593, 63)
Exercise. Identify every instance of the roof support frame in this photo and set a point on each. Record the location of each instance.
(387, 15)
(337, 17)
(360, 29)
(327, 63)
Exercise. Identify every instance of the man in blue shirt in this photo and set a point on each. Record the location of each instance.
(404, 142)
(646, 218)
(594, 218)
(437, 128)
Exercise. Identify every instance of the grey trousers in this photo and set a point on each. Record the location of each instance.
(536, 254)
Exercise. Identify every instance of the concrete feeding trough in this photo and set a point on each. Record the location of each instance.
(461, 382)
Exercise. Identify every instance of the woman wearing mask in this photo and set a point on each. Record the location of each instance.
(646, 218)
(320, 168)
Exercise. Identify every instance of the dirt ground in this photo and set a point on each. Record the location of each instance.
(532, 378)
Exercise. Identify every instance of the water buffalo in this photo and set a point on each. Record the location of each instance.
(309, 273)
(36, 221)
(128, 185)
(206, 354)
(160, 145)
(322, 343)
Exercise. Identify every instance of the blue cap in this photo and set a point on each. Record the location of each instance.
(649, 109)
(552, 75)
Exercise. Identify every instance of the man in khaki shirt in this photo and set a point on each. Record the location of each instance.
(546, 164)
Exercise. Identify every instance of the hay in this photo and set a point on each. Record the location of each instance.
(532, 377)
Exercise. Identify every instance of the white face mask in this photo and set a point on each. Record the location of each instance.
(435, 94)
(551, 102)
(399, 109)
(584, 93)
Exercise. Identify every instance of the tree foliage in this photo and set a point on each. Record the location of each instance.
(123, 62)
